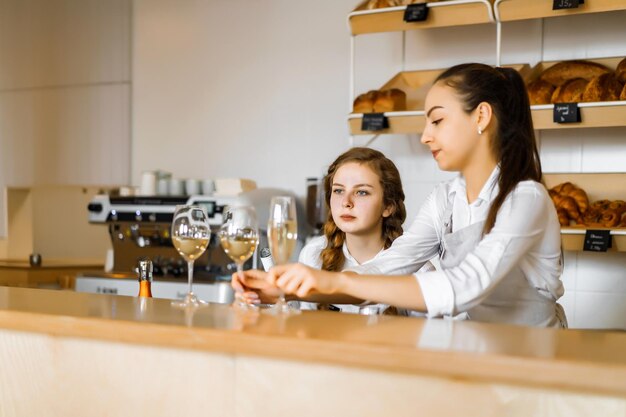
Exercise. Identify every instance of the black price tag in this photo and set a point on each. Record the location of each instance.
(597, 240)
(417, 12)
(566, 113)
(566, 4)
(374, 121)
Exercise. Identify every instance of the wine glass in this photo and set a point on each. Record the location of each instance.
(282, 234)
(190, 235)
(239, 238)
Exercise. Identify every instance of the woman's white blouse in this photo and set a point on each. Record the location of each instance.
(526, 235)
(310, 256)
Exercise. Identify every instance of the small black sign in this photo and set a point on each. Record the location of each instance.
(566, 4)
(566, 113)
(597, 240)
(374, 122)
(417, 12)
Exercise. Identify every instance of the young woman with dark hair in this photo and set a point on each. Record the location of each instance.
(494, 226)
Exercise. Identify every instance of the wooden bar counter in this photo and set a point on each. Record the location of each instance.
(72, 354)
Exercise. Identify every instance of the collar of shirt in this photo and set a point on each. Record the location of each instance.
(351, 262)
(463, 213)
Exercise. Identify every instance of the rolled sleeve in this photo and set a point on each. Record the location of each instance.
(437, 292)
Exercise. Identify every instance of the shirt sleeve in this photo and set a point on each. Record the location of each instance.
(520, 224)
(416, 246)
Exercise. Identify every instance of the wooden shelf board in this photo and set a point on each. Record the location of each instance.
(511, 10)
(441, 14)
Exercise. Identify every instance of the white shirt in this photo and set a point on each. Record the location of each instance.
(310, 256)
(526, 235)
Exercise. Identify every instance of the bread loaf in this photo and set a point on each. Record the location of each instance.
(559, 73)
(570, 92)
(365, 102)
(540, 92)
(603, 88)
(620, 71)
(390, 100)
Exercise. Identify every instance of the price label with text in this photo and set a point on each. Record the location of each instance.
(417, 12)
(566, 4)
(597, 240)
(374, 121)
(566, 113)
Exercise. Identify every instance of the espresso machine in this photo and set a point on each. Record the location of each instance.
(139, 228)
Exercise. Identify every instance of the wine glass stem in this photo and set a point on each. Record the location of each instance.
(190, 274)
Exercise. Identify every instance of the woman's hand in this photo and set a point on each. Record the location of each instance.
(301, 280)
(254, 287)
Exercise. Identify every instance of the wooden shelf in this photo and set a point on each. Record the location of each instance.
(440, 14)
(600, 114)
(415, 84)
(598, 186)
(511, 10)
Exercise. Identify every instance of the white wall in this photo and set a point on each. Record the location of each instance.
(64, 93)
(259, 89)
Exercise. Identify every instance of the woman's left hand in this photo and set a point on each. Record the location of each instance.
(301, 280)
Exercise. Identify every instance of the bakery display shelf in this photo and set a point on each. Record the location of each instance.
(440, 14)
(597, 114)
(511, 10)
(598, 186)
(415, 84)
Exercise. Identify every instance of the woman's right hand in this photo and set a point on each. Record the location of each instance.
(253, 287)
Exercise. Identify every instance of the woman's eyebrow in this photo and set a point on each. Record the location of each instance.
(431, 110)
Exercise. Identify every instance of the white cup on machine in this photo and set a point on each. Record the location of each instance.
(177, 187)
(192, 186)
(148, 183)
(208, 187)
(163, 186)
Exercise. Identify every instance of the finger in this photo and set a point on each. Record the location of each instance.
(305, 289)
(236, 284)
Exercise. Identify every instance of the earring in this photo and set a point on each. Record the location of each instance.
(480, 131)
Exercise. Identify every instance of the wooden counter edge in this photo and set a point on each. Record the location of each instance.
(528, 372)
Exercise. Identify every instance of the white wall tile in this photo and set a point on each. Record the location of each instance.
(600, 310)
(604, 272)
(61, 42)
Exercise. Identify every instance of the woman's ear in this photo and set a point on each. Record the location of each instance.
(484, 115)
(389, 210)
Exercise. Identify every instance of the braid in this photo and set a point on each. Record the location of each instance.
(332, 255)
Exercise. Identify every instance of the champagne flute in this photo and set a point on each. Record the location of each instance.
(239, 238)
(282, 234)
(190, 235)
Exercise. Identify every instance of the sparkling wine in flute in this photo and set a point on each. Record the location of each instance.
(282, 238)
(190, 248)
(239, 248)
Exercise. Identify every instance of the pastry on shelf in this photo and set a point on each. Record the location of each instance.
(390, 100)
(380, 101)
(570, 92)
(623, 95)
(620, 71)
(540, 92)
(365, 102)
(605, 87)
(560, 73)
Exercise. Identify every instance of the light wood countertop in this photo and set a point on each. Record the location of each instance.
(589, 361)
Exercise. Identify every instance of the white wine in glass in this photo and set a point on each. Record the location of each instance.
(239, 237)
(190, 235)
(282, 235)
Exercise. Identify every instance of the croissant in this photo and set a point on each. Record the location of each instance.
(569, 205)
(570, 190)
(563, 217)
(610, 218)
(564, 188)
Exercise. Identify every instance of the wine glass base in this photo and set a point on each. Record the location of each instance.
(282, 309)
(190, 301)
(242, 305)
